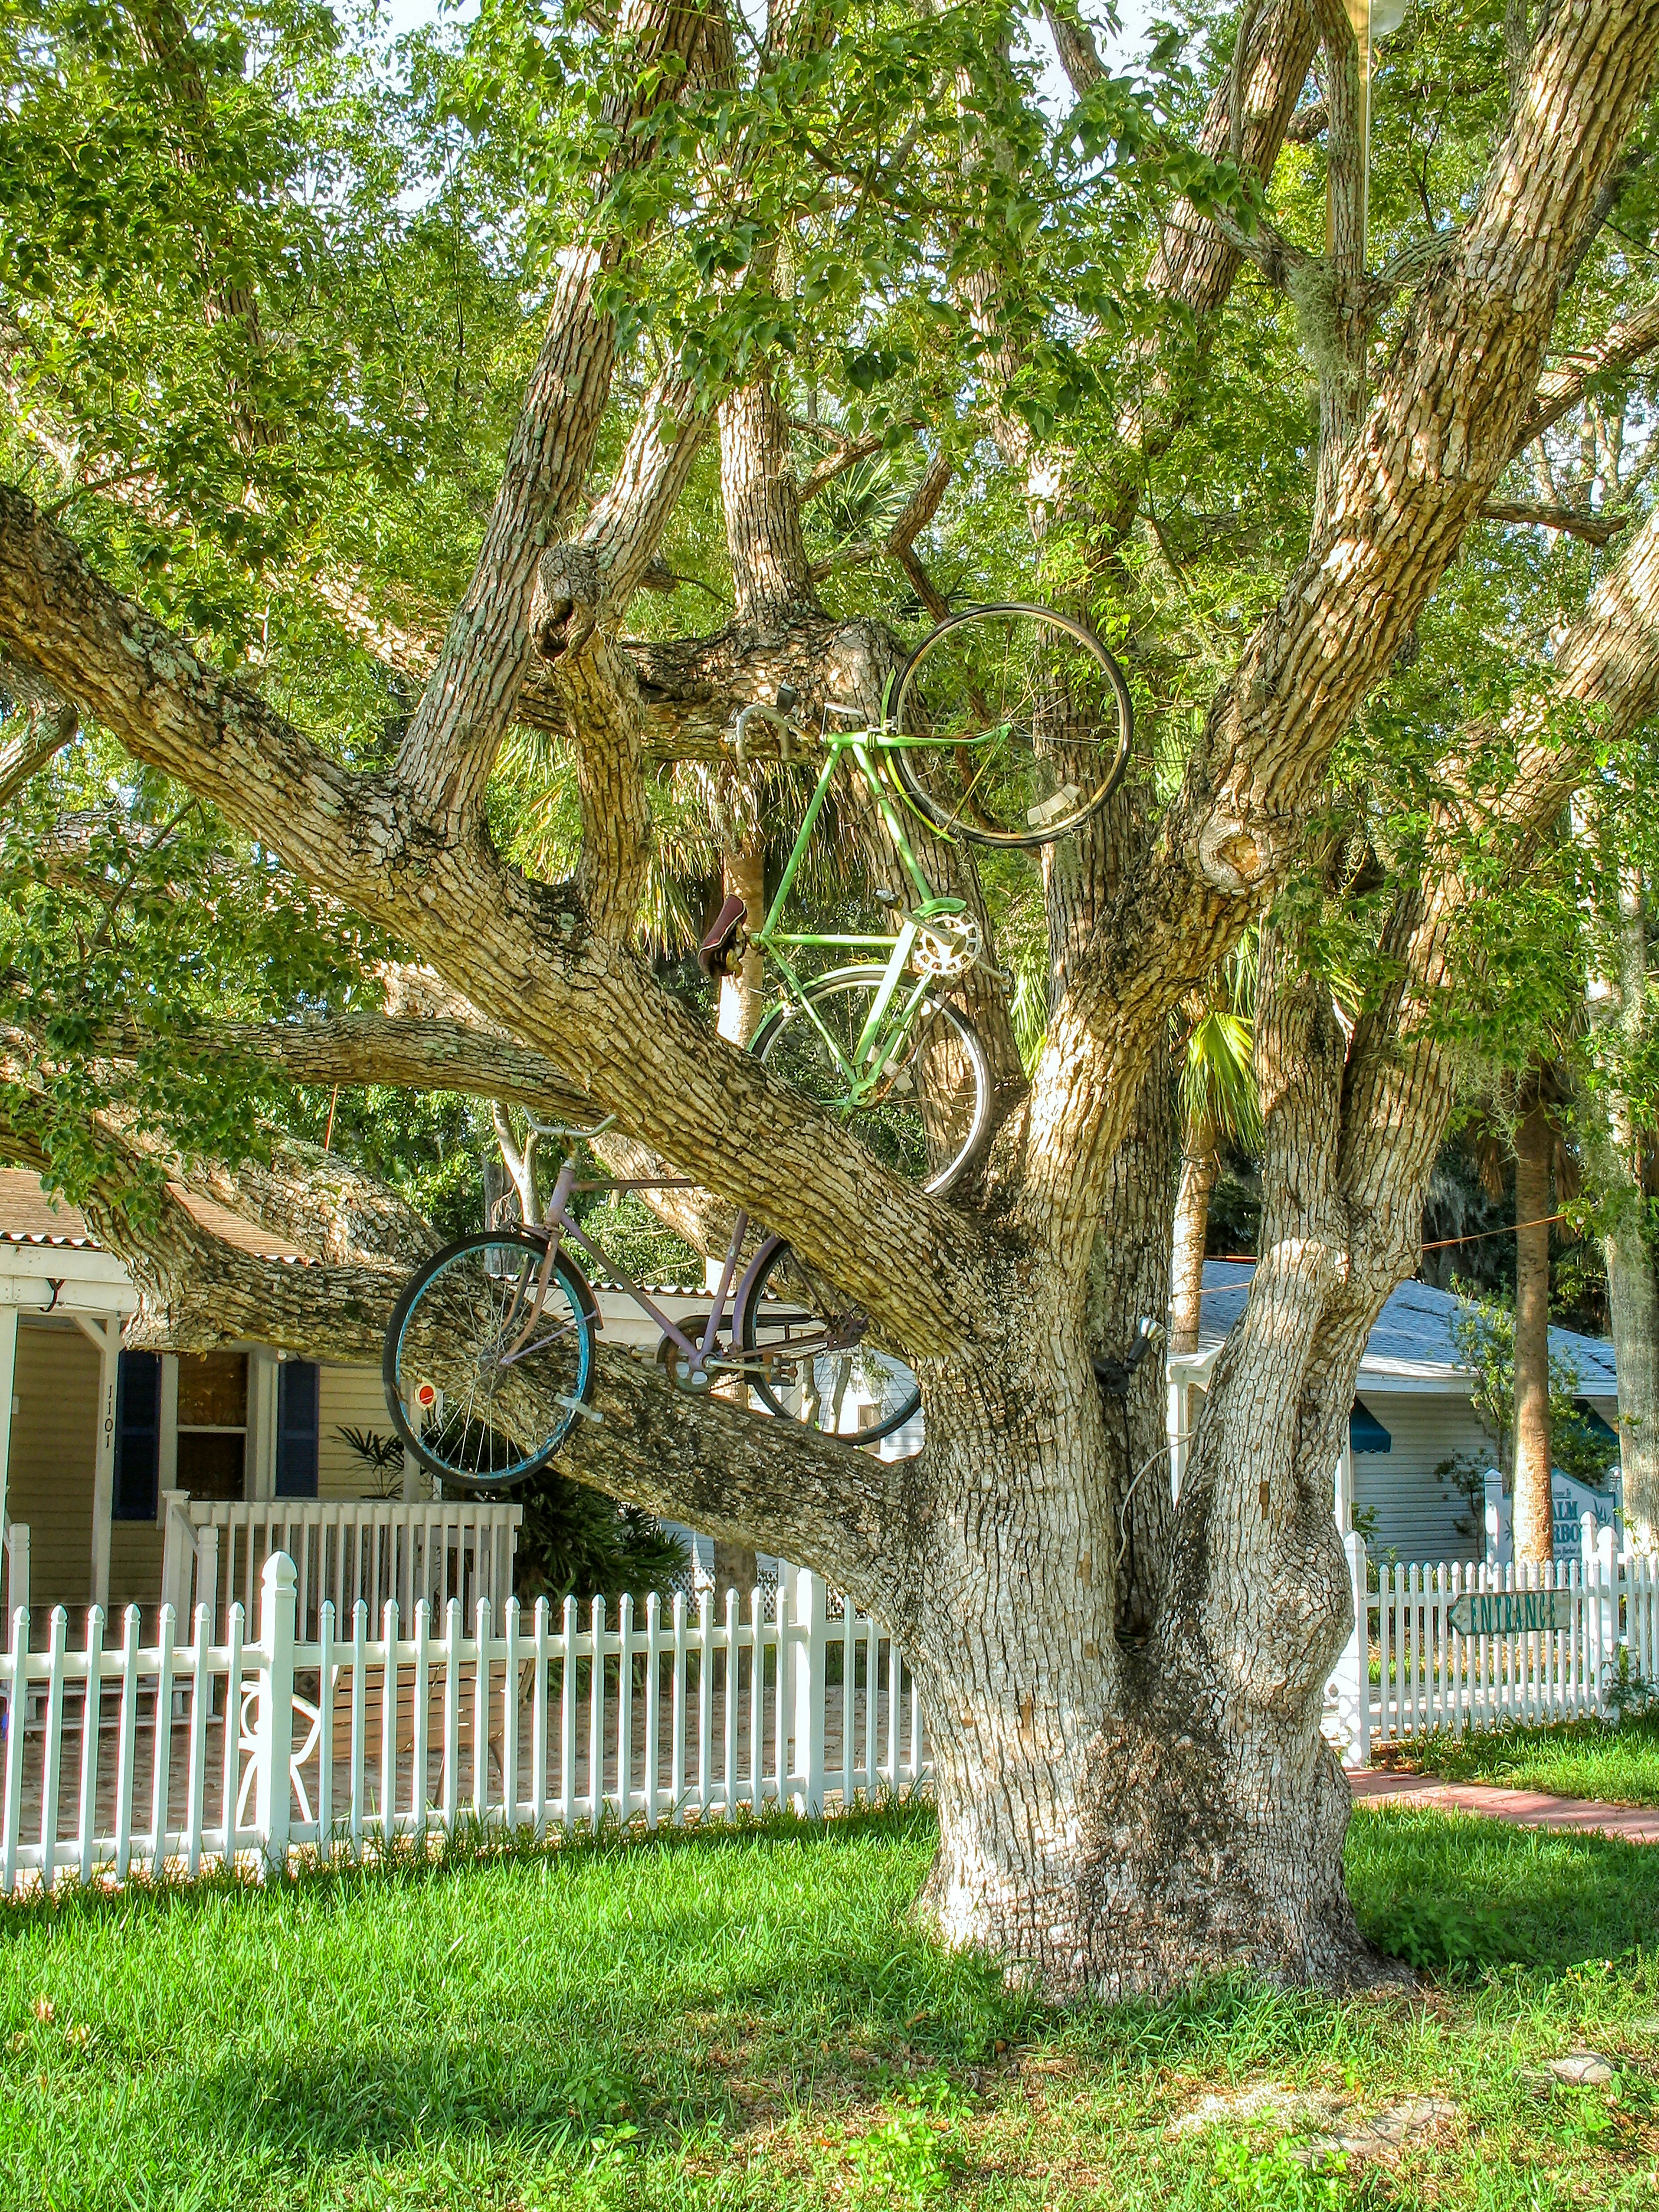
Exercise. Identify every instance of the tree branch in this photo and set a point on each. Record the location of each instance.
(1437, 437)
(1562, 387)
(524, 952)
(49, 723)
(446, 756)
(1593, 529)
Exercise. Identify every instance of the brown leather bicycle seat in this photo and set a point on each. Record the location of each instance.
(720, 939)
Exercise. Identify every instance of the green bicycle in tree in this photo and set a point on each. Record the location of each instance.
(1009, 726)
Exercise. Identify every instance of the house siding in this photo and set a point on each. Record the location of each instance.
(1417, 1511)
(351, 1398)
(54, 1443)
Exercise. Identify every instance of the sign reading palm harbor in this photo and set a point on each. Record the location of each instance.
(1510, 1612)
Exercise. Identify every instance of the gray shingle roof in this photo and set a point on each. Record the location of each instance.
(1411, 1347)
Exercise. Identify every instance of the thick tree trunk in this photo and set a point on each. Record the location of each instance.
(1633, 1298)
(1616, 999)
(1165, 1806)
(1201, 1164)
(1533, 1512)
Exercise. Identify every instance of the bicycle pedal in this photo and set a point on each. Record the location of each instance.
(576, 1406)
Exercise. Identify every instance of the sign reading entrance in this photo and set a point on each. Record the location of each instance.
(1510, 1612)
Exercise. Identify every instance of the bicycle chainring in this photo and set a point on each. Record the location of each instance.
(695, 1381)
(947, 946)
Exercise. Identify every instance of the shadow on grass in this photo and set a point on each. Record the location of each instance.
(143, 1897)
(1460, 1894)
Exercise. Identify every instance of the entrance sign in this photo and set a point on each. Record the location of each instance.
(1510, 1612)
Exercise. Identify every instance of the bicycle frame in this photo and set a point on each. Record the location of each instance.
(881, 1037)
(560, 1225)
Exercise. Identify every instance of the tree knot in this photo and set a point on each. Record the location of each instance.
(1237, 855)
(566, 606)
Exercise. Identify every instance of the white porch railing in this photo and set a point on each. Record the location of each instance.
(344, 1552)
(1432, 1673)
(16, 1554)
(151, 1759)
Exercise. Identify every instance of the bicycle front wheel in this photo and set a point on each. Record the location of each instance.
(812, 1363)
(489, 1354)
(1013, 726)
(928, 1114)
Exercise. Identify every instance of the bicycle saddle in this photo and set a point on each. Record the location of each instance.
(720, 939)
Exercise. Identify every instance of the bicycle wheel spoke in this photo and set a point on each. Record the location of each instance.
(1026, 721)
(503, 1342)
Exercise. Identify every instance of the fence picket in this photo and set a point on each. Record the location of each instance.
(127, 1750)
(653, 1704)
(567, 1720)
(452, 1782)
(51, 1764)
(389, 1674)
(230, 1755)
(596, 1719)
(538, 1726)
(756, 1700)
(625, 1707)
(17, 1705)
(510, 1714)
(327, 1667)
(92, 1699)
(359, 1696)
(676, 1733)
(162, 1751)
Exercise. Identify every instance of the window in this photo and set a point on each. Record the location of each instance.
(296, 1429)
(212, 1423)
(137, 1436)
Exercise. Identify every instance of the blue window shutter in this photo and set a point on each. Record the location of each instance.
(1365, 1432)
(137, 1436)
(296, 1429)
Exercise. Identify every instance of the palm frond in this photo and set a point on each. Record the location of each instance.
(1218, 1083)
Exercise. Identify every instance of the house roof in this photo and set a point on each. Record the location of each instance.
(27, 1215)
(1411, 1347)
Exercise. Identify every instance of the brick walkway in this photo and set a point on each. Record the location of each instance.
(1528, 1808)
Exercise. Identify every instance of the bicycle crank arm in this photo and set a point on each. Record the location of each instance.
(576, 1406)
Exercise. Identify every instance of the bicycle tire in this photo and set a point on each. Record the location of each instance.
(896, 1132)
(757, 1331)
(932, 776)
(462, 1448)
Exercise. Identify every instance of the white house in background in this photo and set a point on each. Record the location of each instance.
(91, 1438)
(1412, 1411)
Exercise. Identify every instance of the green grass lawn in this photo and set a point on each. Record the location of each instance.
(750, 2020)
(1573, 1759)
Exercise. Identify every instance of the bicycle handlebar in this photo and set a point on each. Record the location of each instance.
(785, 721)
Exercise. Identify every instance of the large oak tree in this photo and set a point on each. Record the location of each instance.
(1123, 1691)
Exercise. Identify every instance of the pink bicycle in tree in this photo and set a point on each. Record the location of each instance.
(502, 1325)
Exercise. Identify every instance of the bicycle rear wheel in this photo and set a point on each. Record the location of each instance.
(488, 1353)
(929, 1115)
(818, 1368)
(1019, 723)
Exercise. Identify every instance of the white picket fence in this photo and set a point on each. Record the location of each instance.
(160, 1758)
(1432, 1676)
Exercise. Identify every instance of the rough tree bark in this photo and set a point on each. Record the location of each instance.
(1619, 1158)
(1534, 1143)
(1201, 1166)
